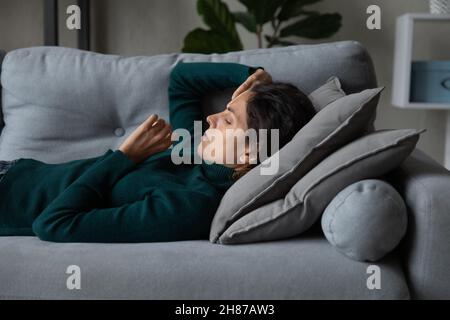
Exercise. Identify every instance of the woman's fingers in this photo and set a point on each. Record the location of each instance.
(245, 85)
(163, 143)
(167, 141)
(242, 88)
(163, 132)
(153, 135)
(150, 121)
(259, 76)
(158, 125)
(256, 83)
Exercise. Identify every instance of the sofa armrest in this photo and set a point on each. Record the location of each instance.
(425, 187)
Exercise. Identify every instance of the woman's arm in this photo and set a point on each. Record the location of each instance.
(190, 81)
(79, 214)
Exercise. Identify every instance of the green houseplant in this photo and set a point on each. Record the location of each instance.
(288, 18)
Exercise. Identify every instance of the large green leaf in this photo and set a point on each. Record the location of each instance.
(314, 27)
(246, 19)
(262, 10)
(208, 41)
(218, 17)
(294, 8)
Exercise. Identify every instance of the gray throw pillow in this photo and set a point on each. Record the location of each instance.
(366, 220)
(367, 157)
(331, 128)
(326, 94)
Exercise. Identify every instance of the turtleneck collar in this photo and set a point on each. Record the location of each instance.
(219, 175)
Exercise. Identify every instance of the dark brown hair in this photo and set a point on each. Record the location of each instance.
(277, 106)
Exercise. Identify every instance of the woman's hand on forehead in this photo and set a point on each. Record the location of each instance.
(259, 76)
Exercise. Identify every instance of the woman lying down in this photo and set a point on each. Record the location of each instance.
(137, 193)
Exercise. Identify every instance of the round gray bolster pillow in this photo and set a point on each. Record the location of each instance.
(366, 220)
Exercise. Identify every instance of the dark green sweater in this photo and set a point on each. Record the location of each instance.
(111, 199)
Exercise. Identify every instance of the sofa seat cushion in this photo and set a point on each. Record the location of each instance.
(306, 267)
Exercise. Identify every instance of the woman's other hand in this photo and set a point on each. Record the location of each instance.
(151, 137)
(259, 76)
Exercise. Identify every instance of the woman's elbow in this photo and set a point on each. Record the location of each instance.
(46, 231)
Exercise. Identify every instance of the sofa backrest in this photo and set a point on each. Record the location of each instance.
(62, 104)
(2, 55)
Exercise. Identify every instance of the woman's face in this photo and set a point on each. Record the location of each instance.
(220, 142)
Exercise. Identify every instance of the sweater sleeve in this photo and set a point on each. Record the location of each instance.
(190, 81)
(79, 214)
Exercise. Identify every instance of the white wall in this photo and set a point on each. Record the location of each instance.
(136, 27)
(20, 24)
(148, 26)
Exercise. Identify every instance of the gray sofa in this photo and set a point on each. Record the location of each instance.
(62, 104)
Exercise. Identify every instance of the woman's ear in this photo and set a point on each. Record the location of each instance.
(252, 159)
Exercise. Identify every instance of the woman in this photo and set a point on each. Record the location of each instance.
(136, 193)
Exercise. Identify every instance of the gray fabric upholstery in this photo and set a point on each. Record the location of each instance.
(366, 220)
(302, 268)
(62, 104)
(326, 94)
(425, 186)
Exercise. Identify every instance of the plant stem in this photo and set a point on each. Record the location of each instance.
(276, 27)
(259, 35)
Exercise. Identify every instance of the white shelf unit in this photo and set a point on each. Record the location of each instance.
(404, 38)
(401, 84)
